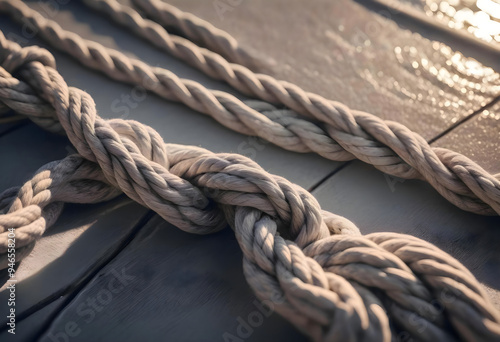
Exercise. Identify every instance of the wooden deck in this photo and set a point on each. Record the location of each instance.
(172, 286)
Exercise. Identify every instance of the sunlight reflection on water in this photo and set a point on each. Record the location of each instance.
(481, 18)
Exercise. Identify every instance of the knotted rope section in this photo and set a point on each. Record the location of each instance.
(325, 127)
(319, 272)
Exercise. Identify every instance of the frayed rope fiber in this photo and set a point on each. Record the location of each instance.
(333, 283)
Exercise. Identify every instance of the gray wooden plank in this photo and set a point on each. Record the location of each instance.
(71, 248)
(478, 139)
(179, 287)
(25, 150)
(11, 121)
(376, 202)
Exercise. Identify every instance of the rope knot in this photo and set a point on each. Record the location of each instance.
(13, 56)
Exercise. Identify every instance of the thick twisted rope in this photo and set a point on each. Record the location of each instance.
(344, 134)
(332, 283)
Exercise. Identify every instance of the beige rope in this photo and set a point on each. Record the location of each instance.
(332, 283)
(344, 134)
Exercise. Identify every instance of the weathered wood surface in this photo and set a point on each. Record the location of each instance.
(186, 287)
(20, 160)
(478, 139)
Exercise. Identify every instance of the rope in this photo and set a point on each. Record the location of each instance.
(332, 283)
(38, 203)
(341, 134)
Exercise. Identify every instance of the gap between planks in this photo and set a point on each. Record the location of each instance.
(430, 141)
(72, 290)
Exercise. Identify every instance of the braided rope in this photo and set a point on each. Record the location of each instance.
(343, 135)
(331, 283)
